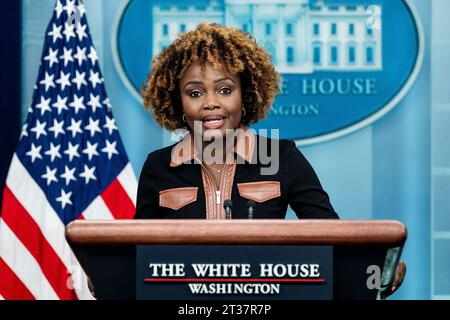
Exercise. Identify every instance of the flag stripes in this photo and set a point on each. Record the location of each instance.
(29, 234)
(11, 287)
(118, 202)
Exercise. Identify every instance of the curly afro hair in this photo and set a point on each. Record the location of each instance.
(228, 49)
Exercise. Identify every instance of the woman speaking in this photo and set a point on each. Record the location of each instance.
(214, 82)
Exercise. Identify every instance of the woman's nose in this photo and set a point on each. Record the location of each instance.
(211, 102)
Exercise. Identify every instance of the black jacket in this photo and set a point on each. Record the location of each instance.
(186, 191)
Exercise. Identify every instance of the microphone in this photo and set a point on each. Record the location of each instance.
(251, 208)
(227, 204)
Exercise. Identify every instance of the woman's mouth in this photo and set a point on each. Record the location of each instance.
(213, 122)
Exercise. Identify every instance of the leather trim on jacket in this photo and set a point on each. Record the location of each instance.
(177, 198)
(259, 191)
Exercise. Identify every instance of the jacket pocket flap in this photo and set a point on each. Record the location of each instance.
(176, 198)
(259, 191)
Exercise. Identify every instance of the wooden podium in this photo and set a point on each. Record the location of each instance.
(107, 249)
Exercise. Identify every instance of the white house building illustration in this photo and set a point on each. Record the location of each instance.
(302, 36)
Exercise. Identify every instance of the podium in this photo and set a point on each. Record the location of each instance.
(107, 250)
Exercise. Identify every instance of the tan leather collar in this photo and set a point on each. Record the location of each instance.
(185, 152)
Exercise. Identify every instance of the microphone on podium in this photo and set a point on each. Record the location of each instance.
(251, 208)
(227, 204)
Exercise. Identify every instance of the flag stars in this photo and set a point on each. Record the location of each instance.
(67, 56)
(51, 57)
(70, 7)
(81, 31)
(53, 152)
(55, 33)
(50, 175)
(68, 175)
(88, 174)
(75, 127)
(69, 142)
(64, 198)
(93, 126)
(80, 55)
(63, 80)
(60, 104)
(77, 103)
(110, 125)
(107, 103)
(81, 10)
(94, 102)
(94, 78)
(72, 151)
(58, 9)
(69, 31)
(24, 132)
(57, 128)
(48, 81)
(39, 129)
(79, 79)
(34, 153)
(91, 150)
(44, 105)
(110, 149)
(93, 55)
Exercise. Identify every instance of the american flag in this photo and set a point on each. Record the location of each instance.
(69, 164)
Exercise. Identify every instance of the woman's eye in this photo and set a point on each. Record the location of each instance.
(225, 90)
(195, 94)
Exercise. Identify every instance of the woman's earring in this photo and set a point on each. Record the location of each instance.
(184, 118)
(244, 112)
